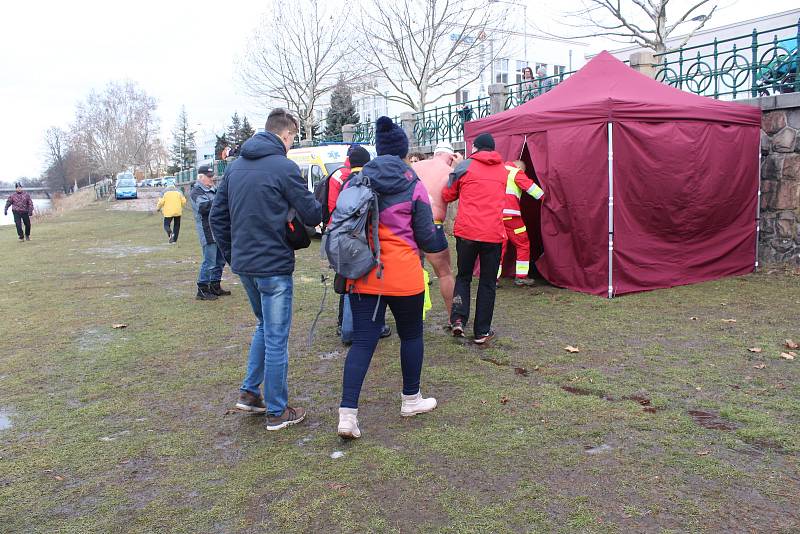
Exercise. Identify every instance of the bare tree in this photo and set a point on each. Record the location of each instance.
(57, 143)
(420, 45)
(644, 22)
(297, 57)
(117, 128)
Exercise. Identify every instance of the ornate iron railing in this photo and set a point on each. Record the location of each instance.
(757, 64)
(365, 131)
(519, 93)
(446, 123)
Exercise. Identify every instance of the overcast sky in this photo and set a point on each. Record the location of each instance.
(52, 53)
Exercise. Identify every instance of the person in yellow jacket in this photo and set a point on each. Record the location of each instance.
(171, 205)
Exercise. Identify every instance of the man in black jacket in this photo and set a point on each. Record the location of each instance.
(259, 193)
(202, 196)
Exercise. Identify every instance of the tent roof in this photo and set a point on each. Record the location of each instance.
(607, 90)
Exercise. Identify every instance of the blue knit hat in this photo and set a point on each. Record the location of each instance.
(390, 138)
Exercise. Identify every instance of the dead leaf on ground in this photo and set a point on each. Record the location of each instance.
(692, 318)
(788, 355)
(703, 453)
(759, 366)
(119, 325)
(729, 320)
(59, 478)
(791, 345)
(229, 411)
(520, 371)
(504, 400)
(755, 349)
(570, 348)
(337, 486)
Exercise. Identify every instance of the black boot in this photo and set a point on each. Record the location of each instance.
(216, 288)
(204, 293)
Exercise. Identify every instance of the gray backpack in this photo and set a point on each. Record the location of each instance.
(346, 239)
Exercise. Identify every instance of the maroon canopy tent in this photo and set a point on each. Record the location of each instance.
(683, 169)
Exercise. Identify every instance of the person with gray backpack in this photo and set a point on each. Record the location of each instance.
(381, 223)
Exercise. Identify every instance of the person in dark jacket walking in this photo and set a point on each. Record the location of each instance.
(260, 192)
(22, 209)
(405, 228)
(201, 196)
(479, 184)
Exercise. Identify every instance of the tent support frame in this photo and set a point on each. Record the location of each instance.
(610, 211)
(758, 209)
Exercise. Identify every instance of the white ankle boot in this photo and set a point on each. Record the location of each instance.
(348, 423)
(414, 404)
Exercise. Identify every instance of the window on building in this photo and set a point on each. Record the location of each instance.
(520, 65)
(559, 69)
(462, 96)
(501, 71)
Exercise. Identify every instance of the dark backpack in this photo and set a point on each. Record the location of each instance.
(321, 194)
(346, 240)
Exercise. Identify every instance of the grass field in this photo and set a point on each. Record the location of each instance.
(131, 429)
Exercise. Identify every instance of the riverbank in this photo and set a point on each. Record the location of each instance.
(663, 417)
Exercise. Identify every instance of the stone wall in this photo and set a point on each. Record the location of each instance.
(780, 179)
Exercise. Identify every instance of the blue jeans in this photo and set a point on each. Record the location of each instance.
(347, 319)
(407, 313)
(213, 262)
(271, 300)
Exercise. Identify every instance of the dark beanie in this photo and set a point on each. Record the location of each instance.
(359, 156)
(390, 138)
(18, 184)
(484, 141)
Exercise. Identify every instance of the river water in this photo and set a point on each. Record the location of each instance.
(39, 205)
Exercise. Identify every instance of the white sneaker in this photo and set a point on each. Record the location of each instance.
(415, 404)
(348, 423)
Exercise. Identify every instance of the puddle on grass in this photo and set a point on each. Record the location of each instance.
(122, 251)
(711, 420)
(599, 449)
(333, 355)
(5, 419)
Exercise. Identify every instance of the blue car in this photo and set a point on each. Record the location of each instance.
(126, 187)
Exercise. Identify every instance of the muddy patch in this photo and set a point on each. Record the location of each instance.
(639, 398)
(122, 251)
(711, 420)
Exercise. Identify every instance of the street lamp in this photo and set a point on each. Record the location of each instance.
(524, 7)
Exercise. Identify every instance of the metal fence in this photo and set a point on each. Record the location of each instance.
(446, 123)
(365, 131)
(519, 93)
(761, 63)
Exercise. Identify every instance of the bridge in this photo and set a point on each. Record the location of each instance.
(34, 192)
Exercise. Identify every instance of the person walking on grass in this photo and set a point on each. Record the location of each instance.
(171, 205)
(405, 226)
(202, 196)
(260, 192)
(21, 206)
(435, 173)
(479, 185)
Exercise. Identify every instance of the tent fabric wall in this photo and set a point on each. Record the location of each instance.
(684, 210)
(574, 218)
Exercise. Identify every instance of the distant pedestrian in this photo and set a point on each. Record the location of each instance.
(528, 85)
(22, 210)
(225, 153)
(542, 83)
(479, 185)
(261, 191)
(201, 196)
(171, 205)
(414, 157)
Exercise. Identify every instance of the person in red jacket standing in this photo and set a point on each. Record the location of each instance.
(516, 184)
(479, 185)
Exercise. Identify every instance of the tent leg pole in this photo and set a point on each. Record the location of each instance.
(758, 209)
(610, 212)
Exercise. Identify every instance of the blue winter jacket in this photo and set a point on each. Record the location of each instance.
(249, 214)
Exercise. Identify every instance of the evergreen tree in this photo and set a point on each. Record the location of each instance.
(235, 130)
(183, 153)
(246, 131)
(219, 146)
(342, 110)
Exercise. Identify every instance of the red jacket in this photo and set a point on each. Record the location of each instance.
(516, 184)
(335, 182)
(479, 185)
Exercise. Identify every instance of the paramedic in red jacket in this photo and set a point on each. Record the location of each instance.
(479, 185)
(518, 183)
(357, 157)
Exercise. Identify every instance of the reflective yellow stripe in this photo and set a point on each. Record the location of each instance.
(535, 191)
(519, 230)
(437, 222)
(522, 267)
(507, 218)
(511, 186)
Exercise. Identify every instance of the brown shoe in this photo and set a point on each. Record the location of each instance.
(290, 416)
(248, 402)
